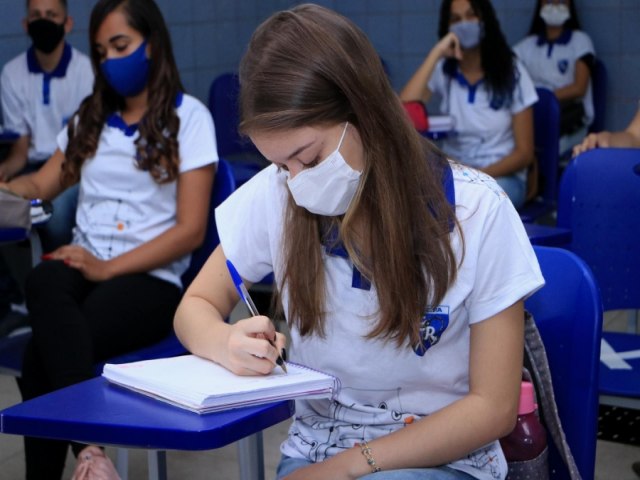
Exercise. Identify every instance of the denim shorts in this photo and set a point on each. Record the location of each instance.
(289, 465)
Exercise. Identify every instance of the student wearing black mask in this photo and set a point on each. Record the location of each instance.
(40, 89)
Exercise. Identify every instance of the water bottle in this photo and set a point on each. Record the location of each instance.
(526, 446)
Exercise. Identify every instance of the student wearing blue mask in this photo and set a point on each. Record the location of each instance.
(485, 89)
(398, 271)
(143, 153)
(559, 56)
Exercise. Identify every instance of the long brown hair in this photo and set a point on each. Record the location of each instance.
(310, 66)
(157, 144)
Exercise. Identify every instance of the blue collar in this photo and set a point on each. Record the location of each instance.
(473, 88)
(61, 69)
(563, 39)
(333, 245)
(115, 120)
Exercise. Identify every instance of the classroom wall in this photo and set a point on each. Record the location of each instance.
(209, 36)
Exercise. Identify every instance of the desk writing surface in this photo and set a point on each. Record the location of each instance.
(98, 412)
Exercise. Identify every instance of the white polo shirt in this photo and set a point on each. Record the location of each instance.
(120, 206)
(39, 104)
(383, 387)
(483, 124)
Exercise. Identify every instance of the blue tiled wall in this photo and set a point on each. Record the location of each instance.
(209, 36)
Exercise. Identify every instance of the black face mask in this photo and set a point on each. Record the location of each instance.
(45, 34)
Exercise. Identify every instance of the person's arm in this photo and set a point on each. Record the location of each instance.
(184, 237)
(578, 88)
(44, 183)
(488, 412)
(16, 159)
(628, 138)
(523, 152)
(416, 88)
(200, 326)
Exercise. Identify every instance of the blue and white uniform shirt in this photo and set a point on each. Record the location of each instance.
(553, 65)
(384, 387)
(483, 122)
(38, 103)
(121, 206)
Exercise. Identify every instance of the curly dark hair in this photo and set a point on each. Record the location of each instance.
(157, 144)
(538, 26)
(498, 61)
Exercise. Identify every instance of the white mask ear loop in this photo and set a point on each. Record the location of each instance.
(344, 132)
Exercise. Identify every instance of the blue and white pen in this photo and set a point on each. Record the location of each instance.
(246, 298)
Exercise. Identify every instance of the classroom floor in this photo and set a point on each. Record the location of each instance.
(613, 460)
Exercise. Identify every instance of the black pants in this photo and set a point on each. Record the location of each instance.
(77, 323)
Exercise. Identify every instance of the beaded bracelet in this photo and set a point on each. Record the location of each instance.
(366, 451)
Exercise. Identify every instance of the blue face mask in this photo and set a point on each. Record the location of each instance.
(128, 75)
(469, 33)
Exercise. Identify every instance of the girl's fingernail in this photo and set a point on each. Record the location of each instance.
(46, 256)
(67, 261)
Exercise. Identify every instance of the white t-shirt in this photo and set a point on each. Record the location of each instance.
(39, 104)
(553, 65)
(483, 134)
(384, 387)
(120, 206)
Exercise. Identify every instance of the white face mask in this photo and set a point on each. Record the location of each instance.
(469, 33)
(555, 14)
(329, 187)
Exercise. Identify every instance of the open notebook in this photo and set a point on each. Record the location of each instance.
(203, 386)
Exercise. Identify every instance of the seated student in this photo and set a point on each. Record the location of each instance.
(399, 272)
(628, 138)
(143, 153)
(560, 57)
(485, 90)
(40, 90)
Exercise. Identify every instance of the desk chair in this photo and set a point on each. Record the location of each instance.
(546, 129)
(568, 314)
(244, 157)
(599, 193)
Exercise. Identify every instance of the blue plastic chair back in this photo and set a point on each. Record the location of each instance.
(223, 105)
(568, 314)
(598, 195)
(546, 129)
(223, 186)
(599, 82)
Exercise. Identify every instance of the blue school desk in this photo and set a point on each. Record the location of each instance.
(100, 413)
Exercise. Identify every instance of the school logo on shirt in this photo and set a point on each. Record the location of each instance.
(434, 322)
(563, 65)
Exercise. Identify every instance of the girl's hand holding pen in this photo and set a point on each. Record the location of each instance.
(243, 293)
(249, 350)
